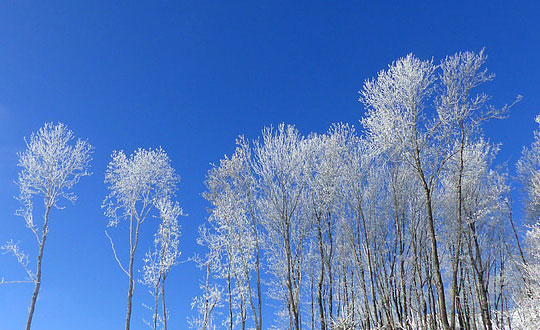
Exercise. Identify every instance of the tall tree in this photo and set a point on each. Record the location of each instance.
(137, 184)
(51, 166)
(231, 191)
(398, 124)
(281, 163)
(527, 297)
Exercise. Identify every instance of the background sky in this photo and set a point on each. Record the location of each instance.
(190, 76)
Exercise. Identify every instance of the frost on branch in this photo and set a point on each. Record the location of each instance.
(13, 248)
(137, 183)
(51, 166)
(527, 312)
(158, 263)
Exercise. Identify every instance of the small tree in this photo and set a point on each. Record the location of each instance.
(136, 184)
(158, 263)
(51, 165)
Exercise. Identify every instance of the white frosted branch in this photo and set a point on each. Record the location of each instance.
(115, 255)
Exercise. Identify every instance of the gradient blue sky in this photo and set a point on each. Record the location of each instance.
(191, 76)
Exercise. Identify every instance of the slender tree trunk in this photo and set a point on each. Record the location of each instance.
(435, 256)
(321, 278)
(163, 302)
(133, 245)
(479, 272)
(312, 300)
(453, 290)
(38, 269)
(258, 325)
(257, 319)
(330, 272)
(230, 294)
(295, 317)
(156, 302)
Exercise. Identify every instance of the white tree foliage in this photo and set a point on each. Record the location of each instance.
(408, 227)
(51, 165)
(527, 297)
(138, 184)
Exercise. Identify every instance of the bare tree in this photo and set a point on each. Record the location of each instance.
(51, 166)
(136, 184)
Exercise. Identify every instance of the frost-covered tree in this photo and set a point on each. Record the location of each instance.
(137, 185)
(51, 165)
(158, 263)
(461, 112)
(235, 222)
(528, 168)
(527, 312)
(282, 165)
(405, 228)
(212, 296)
(397, 123)
(424, 115)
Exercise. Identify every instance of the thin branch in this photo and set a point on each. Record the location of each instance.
(115, 255)
(4, 282)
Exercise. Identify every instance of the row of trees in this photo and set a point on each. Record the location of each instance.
(141, 186)
(406, 227)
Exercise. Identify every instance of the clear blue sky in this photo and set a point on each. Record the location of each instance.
(190, 76)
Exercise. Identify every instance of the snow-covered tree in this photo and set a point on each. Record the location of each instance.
(51, 165)
(231, 191)
(158, 263)
(137, 185)
(527, 312)
(528, 168)
(405, 228)
(281, 163)
(398, 123)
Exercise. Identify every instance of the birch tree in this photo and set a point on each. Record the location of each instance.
(136, 184)
(51, 166)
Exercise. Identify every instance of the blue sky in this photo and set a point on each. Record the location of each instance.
(191, 76)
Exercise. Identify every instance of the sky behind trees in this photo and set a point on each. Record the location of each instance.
(190, 77)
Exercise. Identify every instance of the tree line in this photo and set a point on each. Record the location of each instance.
(404, 224)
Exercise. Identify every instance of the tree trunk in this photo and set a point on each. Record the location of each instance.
(38, 269)
(321, 279)
(453, 290)
(163, 302)
(156, 301)
(435, 257)
(131, 281)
